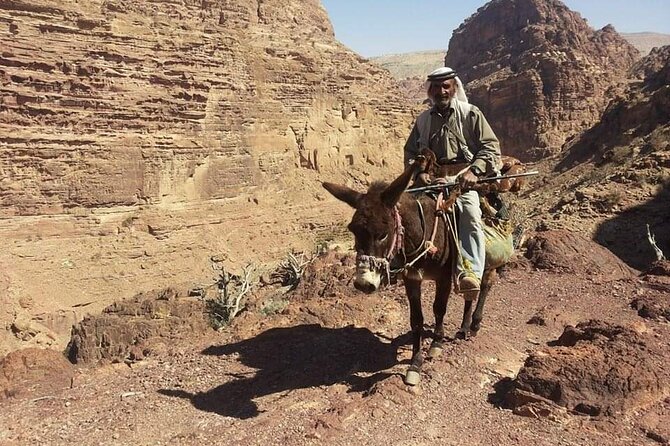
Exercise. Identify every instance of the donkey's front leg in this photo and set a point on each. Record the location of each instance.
(464, 331)
(442, 291)
(487, 283)
(413, 290)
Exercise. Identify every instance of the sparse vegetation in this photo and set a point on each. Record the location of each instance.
(232, 289)
(289, 272)
(229, 300)
(273, 306)
(618, 155)
(612, 198)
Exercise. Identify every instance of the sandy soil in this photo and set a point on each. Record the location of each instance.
(327, 369)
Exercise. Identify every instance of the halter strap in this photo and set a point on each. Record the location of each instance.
(397, 246)
(426, 246)
(398, 235)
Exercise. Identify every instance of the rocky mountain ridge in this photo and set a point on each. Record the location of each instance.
(538, 71)
(613, 181)
(416, 64)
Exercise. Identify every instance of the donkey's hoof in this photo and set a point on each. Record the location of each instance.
(412, 378)
(435, 351)
(463, 334)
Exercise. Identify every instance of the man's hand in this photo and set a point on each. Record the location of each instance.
(468, 179)
(423, 179)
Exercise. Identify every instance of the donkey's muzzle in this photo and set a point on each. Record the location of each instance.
(365, 287)
(366, 280)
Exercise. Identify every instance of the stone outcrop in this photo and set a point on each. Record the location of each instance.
(559, 250)
(34, 371)
(595, 368)
(132, 329)
(115, 102)
(139, 140)
(538, 71)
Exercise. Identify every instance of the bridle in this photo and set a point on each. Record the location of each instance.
(383, 264)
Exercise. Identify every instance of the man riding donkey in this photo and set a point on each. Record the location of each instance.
(464, 144)
(392, 224)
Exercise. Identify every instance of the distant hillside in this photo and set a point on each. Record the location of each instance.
(418, 64)
(644, 42)
(407, 65)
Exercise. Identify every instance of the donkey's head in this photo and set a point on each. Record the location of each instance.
(376, 227)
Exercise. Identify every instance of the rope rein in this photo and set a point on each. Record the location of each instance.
(427, 245)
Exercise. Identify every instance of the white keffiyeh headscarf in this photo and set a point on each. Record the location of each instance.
(445, 73)
(459, 102)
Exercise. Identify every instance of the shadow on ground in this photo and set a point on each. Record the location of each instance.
(295, 358)
(626, 234)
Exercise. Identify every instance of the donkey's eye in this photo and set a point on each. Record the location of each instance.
(382, 237)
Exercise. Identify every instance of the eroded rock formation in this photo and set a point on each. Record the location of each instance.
(571, 252)
(132, 329)
(538, 71)
(595, 368)
(124, 103)
(629, 149)
(641, 113)
(139, 140)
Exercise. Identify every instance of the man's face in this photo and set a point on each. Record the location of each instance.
(441, 92)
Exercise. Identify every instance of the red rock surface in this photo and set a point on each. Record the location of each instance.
(327, 369)
(34, 371)
(571, 252)
(538, 71)
(596, 368)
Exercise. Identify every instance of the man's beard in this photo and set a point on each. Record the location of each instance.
(442, 102)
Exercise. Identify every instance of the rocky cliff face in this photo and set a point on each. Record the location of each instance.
(614, 179)
(114, 102)
(538, 71)
(639, 118)
(143, 142)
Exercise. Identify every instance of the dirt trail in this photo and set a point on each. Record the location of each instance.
(328, 370)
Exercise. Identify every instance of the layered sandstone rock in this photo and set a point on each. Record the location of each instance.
(143, 141)
(538, 71)
(125, 103)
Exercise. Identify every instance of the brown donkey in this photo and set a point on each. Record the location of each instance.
(391, 230)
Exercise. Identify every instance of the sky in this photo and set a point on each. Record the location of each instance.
(377, 27)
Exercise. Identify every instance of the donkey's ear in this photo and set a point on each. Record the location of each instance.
(343, 193)
(392, 193)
